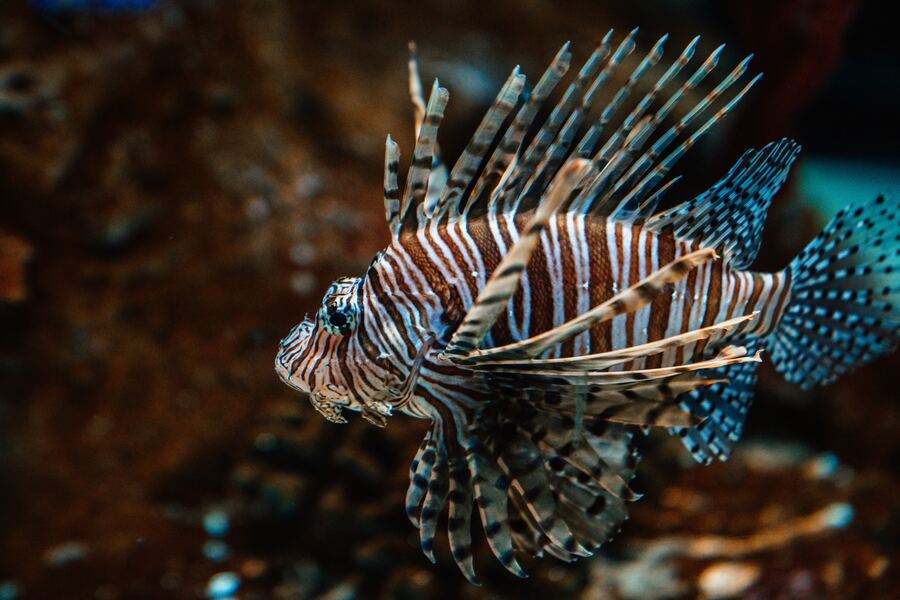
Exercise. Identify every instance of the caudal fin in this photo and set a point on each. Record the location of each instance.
(844, 305)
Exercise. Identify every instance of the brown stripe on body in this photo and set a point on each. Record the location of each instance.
(633, 277)
(619, 283)
(641, 265)
(734, 300)
(601, 280)
(454, 308)
(690, 289)
(367, 345)
(768, 302)
(390, 306)
(650, 266)
(480, 232)
(746, 289)
(696, 300)
(518, 298)
(447, 244)
(318, 369)
(541, 292)
(314, 356)
(659, 310)
(489, 252)
(713, 302)
(454, 238)
(347, 374)
(757, 286)
(569, 279)
(781, 302)
(370, 352)
(379, 290)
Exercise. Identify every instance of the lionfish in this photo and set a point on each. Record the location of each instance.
(537, 307)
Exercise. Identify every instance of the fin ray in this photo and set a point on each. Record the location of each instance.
(732, 212)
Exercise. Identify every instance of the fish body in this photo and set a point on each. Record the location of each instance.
(580, 261)
(540, 310)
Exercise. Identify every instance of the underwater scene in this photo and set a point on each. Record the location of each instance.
(475, 300)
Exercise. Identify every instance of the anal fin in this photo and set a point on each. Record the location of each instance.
(723, 408)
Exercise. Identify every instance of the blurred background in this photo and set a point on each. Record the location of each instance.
(180, 181)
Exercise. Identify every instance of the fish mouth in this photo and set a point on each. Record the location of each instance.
(284, 373)
(289, 350)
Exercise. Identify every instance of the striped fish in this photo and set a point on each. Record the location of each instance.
(540, 311)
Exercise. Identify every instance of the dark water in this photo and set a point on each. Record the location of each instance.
(180, 182)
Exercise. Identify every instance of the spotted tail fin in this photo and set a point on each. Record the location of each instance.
(844, 306)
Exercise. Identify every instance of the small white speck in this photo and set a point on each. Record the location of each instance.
(474, 273)
(585, 285)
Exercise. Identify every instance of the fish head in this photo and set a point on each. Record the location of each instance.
(323, 358)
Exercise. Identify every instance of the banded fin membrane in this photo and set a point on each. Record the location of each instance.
(723, 408)
(732, 212)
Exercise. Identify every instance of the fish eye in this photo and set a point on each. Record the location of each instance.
(337, 320)
(338, 315)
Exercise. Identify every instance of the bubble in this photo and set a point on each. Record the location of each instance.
(9, 590)
(216, 550)
(303, 254)
(825, 465)
(257, 209)
(728, 580)
(265, 442)
(216, 523)
(303, 283)
(839, 515)
(65, 553)
(223, 585)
